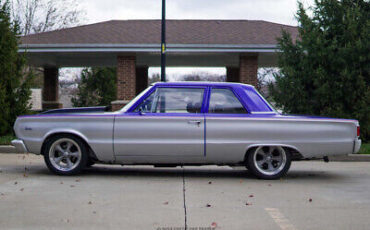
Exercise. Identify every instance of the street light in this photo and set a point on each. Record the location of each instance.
(163, 42)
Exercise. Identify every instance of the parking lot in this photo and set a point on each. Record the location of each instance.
(314, 195)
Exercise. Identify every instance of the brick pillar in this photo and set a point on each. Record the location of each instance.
(141, 78)
(248, 69)
(126, 81)
(50, 91)
(232, 74)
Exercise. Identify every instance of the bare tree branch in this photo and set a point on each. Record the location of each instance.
(35, 16)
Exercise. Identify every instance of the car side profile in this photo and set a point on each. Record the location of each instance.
(185, 123)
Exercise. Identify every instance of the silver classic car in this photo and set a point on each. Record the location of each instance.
(192, 123)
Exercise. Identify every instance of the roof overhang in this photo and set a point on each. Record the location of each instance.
(42, 48)
(79, 55)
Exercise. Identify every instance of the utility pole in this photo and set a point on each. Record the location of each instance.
(163, 42)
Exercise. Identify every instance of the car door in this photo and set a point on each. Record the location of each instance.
(225, 129)
(166, 127)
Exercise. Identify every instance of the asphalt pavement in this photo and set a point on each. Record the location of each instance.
(314, 195)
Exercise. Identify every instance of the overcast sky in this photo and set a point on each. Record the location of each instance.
(279, 11)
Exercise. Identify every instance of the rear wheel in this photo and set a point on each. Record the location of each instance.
(65, 155)
(269, 162)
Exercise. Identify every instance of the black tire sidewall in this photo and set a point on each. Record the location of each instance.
(251, 167)
(89, 163)
(80, 166)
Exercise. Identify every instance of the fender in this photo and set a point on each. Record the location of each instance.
(68, 131)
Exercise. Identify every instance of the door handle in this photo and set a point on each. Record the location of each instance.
(195, 122)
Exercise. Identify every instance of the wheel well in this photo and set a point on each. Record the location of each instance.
(295, 154)
(248, 152)
(91, 153)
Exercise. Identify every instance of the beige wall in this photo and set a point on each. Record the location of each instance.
(36, 99)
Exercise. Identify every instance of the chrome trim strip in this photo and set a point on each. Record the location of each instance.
(35, 48)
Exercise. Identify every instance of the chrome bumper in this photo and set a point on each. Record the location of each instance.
(357, 146)
(19, 146)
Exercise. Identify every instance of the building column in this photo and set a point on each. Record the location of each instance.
(50, 91)
(232, 74)
(248, 69)
(141, 78)
(126, 81)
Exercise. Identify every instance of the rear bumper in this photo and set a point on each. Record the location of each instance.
(357, 146)
(19, 146)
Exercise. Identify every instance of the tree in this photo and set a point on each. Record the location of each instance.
(35, 16)
(264, 79)
(325, 71)
(96, 87)
(14, 89)
(154, 78)
(203, 76)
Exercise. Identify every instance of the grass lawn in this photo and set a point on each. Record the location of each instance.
(365, 148)
(5, 140)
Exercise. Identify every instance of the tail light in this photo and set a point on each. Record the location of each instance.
(358, 131)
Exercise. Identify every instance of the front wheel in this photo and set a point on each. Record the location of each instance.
(269, 162)
(65, 155)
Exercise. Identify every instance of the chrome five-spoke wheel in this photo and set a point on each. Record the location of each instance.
(65, 154)
(269, 162)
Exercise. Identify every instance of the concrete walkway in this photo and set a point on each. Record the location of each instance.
(314, 195)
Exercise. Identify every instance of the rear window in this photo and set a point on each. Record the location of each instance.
(256, 103)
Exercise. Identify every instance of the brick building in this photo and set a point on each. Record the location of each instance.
(134, 45)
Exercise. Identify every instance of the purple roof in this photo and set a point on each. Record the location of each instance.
(200, 83)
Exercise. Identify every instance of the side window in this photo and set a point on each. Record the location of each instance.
(173, 100)
(224, 101)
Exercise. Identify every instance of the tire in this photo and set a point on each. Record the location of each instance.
(269, 162)
(65, 155)
(89, 163)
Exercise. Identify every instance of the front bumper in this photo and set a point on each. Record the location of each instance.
(357, 146)
(19, 146)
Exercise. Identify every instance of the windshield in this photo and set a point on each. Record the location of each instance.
(126, 107)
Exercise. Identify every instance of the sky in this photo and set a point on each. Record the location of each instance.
(279, 11)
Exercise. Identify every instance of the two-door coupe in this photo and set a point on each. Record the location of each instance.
(180, 123)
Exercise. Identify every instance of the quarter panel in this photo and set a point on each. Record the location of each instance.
(96, 130)
(228, 138)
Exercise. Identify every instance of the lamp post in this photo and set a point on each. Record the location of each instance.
(163, 42)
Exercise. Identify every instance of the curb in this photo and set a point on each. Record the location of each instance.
(7, 149)
(351, 157)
